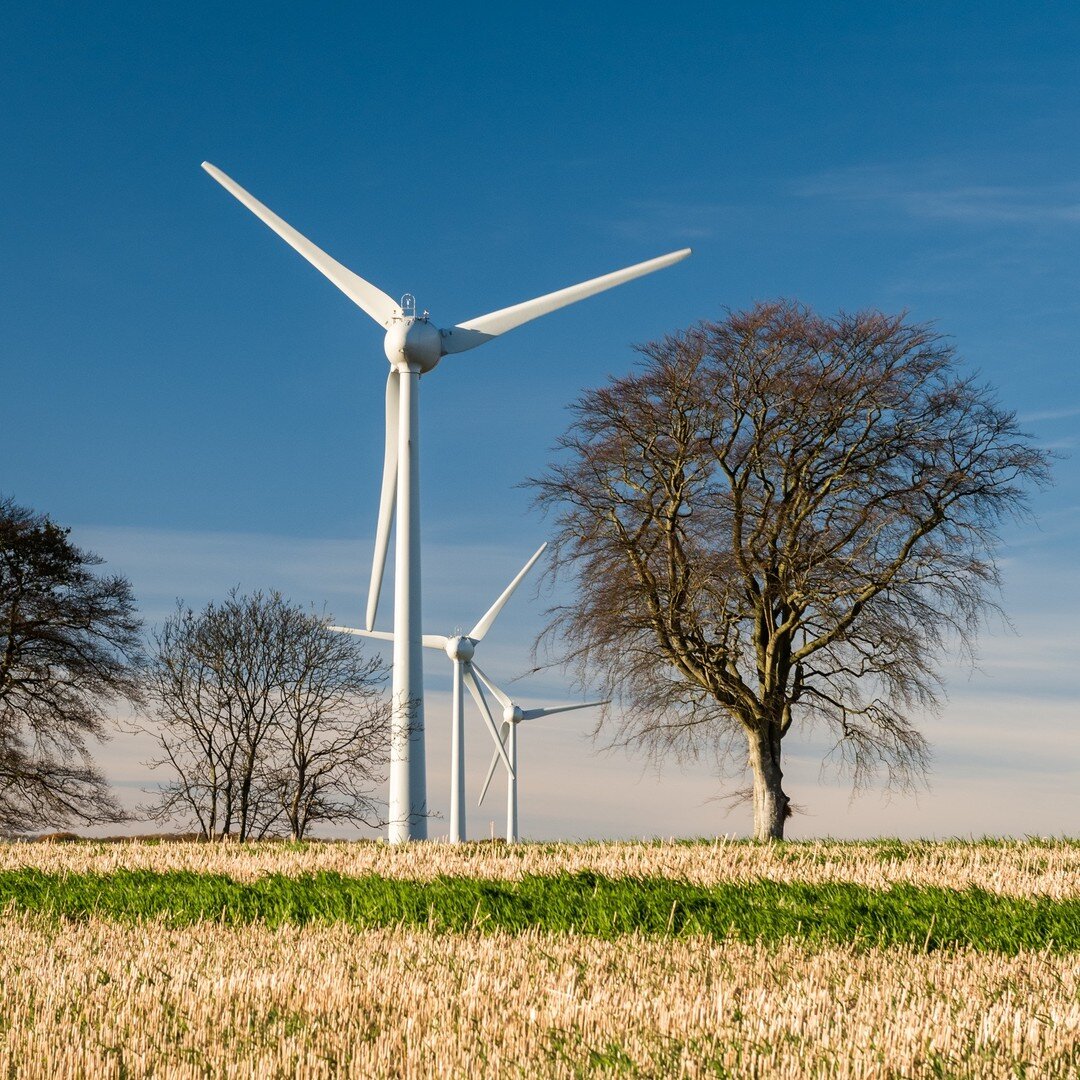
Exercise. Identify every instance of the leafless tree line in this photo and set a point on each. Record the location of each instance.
(780, 519)
(267, 721)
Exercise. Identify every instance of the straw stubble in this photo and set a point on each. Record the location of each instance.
(100, 998)
(1023, 868)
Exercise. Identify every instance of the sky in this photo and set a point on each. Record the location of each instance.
(205, 410)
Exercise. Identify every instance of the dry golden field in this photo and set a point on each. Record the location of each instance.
(100, 998)
(111, 1000)
(1048, 868)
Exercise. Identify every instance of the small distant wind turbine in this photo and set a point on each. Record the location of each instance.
(514, 714)
(461, 648)
(413, 345)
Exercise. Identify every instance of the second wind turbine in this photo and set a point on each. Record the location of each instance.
(414, 346)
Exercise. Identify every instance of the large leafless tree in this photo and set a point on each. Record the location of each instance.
(267, 720)
(69, 649)
(784, 519)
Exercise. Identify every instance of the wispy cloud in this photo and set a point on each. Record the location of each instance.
(933, 194)
(1049, 414)
(460, 580)
(677, 219)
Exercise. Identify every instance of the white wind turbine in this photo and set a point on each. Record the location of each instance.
(514, 714)
(461, 648)
(414, 346)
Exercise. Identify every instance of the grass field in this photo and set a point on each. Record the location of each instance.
(700, 959)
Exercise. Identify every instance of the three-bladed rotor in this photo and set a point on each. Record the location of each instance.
(414, 343)
(413, 346)
(461, 648)
(513, 715)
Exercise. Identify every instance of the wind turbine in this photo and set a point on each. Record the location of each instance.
(413, 345)
(514, 714)
(461, 648)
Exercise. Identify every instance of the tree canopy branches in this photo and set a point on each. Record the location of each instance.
(69, 646)
(267, 720)
(784, 516)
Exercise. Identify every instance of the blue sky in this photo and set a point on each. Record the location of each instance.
(206, 410)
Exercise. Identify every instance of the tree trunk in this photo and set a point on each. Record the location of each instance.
(770, 802)
(295, 823)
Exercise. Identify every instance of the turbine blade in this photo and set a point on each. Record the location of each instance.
(484, 625)
(378, 635)
(430, 641)
(387, 498)
(485, 712)
(468, 335)
(461, 339)
(362, 293)
(504, 731)
(535, 714)
(501, 697)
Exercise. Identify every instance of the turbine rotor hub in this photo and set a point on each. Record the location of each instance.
(512, 714)
(460, 648)
(412, 342)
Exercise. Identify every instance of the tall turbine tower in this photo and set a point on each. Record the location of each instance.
(414, 346)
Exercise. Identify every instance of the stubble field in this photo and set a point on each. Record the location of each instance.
(704, 959)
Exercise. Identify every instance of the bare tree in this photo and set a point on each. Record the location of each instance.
(783, 517)
(69, 647)
(332, 731)
(266, 719)
(191, 689)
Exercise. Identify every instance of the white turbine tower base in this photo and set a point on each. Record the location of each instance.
(514, 714)
(414, 346)
(461, 648)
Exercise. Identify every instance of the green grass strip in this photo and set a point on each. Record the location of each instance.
(585, 903)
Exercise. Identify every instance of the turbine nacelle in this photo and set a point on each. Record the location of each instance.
(412, 342)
